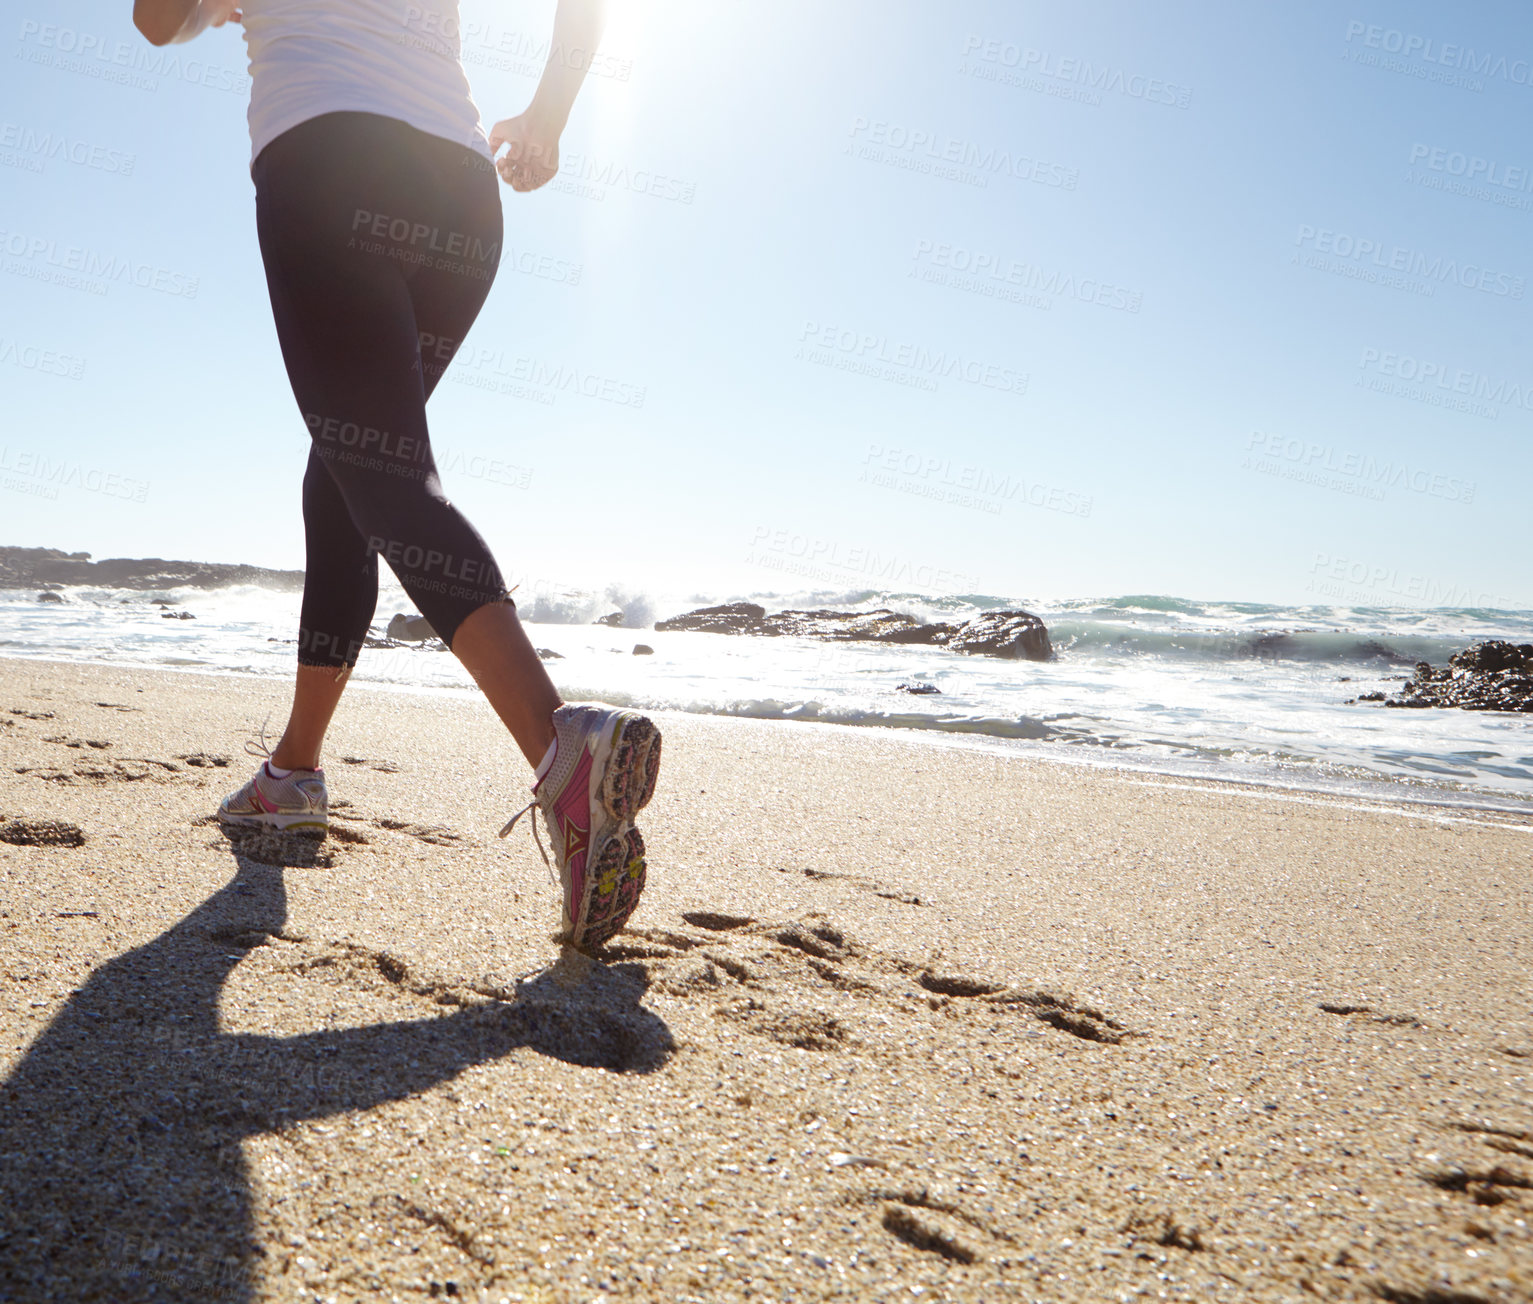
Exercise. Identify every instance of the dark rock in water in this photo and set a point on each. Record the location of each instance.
(1491, 676)
(643, 650)
(613, 619)
(410, 629)
(731, 618)
(49, 597)
(918, 690)
(177, 615)
(548, 654)
(881, 626)
(995, 633)
(1005, 634)
(1371, 648)
(1369, 697)
(1493, 657)
(25, 568)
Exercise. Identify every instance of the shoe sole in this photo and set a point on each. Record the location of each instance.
(615, 882)
(634, 765)
(283, 823)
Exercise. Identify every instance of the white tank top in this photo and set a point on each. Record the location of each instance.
(398, 58)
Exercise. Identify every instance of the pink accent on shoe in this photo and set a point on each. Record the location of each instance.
(260, 797)
(573, 809)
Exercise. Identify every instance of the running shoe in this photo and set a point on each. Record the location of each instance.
(603, 774)
(296, 802)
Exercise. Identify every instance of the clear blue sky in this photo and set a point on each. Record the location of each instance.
(760, 208)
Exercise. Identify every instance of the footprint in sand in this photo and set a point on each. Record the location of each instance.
(1427, 1295)
(814, 946)
(872, 885)
(1062, 1012)
(715, 922)
(1485, 1186)
(822, 941)
(1508, 1140)
(436, 834)
(921, 1231)
(802, 1029)
(265, 846)
(958, 985)
(128, 769)
(1375, 1016)
(387, 767)
(1161, 1227)
(926, 1222)
(40, 833)
(1083, 1021)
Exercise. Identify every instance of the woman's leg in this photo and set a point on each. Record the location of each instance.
(315, 696)
(342, 203)
(490, 640)
(495, 649)
(340, 593)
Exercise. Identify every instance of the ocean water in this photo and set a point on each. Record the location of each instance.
(1223, 690)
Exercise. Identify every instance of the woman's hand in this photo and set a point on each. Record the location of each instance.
(532, 151)
(220, 12)
(532, 139)
(164, 22)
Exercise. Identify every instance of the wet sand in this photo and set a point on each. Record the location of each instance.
(896, 1020)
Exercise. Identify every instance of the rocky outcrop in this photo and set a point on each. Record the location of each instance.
(995, 633)
(1004, 634)
(1492, 676)
(409, 629)
(858, 627)
(26, 568)
(731, 618)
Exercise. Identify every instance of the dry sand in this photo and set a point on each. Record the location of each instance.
(895, 1021)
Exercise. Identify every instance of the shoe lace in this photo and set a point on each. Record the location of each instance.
(260, 748)
(533, 822)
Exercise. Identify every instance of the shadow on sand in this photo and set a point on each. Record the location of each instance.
(121, 1171)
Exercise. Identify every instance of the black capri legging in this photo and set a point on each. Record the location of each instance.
(380, 244)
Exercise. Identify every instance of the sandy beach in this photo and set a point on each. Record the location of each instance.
(897, 1019)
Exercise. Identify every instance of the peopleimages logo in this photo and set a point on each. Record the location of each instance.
(518, 51)
(1313, 462)
(929, 148)
(816, 558)
(1349, 578)
(988, 272)
(964, 485)
(1445, 54)
(1458, 381)
(133, 64)
(47, 362)
(1080, 72)
(54, 474)
(81, 268)
(44, 146)
(859, 351)
(1471, 167)
(1384, 258)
